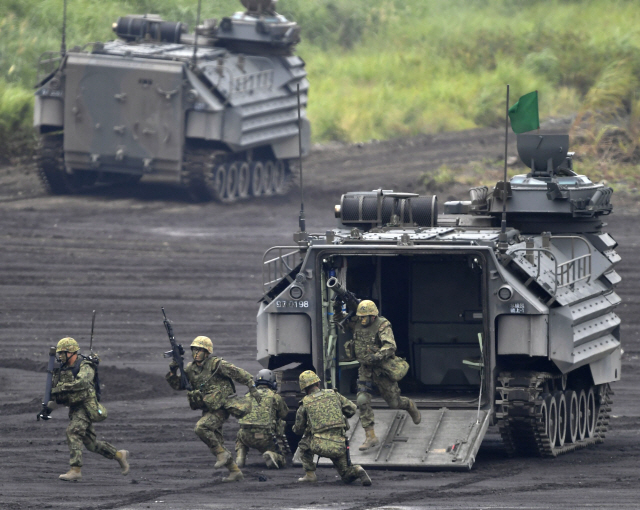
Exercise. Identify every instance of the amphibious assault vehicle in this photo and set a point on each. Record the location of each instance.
(502, 324)
(216, 110)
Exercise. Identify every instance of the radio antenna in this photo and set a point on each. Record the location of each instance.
(301, 220)
(63, 43)
(195, 42)
(93, 322)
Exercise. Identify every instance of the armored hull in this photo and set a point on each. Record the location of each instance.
(215, 111)
(510, 327)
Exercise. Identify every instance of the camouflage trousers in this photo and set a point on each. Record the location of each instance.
(80, 431)
(346, 472)
(209, 429)
(368, 377)
(261, 440)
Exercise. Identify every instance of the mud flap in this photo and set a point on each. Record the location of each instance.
(445, 439)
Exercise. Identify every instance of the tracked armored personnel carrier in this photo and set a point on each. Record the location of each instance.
(215, 111)
(513, 327)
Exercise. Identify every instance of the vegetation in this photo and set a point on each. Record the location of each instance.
(388, 68)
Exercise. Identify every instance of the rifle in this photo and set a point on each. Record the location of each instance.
(343, 296)
(346, 440)
(176, 353)
(95, 360)
(45, 413)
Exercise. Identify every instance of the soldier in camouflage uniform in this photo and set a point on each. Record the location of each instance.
(260, 428)
(322, 418)
(214, 392)
(73, 385)
(374, 347)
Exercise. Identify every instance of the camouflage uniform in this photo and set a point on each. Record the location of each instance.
(373, 346)
(214, 393)
(259, 428)
(321, 418)
(79, 394)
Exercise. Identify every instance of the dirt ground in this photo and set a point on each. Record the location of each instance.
(128, 252)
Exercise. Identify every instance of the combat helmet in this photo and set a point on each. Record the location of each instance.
(204, 342)
(266, 377)
(308, 378)
(367, 307)
(67, 344)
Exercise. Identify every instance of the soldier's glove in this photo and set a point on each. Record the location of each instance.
(173, 366)
(255, 394)
(51, 405)
(196, 400)
(60, 388)
(375, 357)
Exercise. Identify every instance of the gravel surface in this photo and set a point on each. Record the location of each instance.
(128, 252)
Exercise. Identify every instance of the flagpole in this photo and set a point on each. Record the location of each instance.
(502, 238)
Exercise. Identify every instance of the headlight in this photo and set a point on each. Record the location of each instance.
(296, 292)
(505, 293)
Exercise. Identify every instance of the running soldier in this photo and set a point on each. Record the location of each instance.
(74, 386)
(375, 349)
(322, 418)
(260, 428)
(214, 392)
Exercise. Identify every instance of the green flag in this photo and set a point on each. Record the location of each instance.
(524, 114)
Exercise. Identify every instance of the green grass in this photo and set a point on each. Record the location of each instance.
(382, 69)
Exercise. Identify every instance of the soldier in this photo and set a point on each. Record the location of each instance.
(73, 385)
(322, 418)
(375, 348)
(214, 392)
(259, 429)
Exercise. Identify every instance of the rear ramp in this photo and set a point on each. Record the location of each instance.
(444, 439)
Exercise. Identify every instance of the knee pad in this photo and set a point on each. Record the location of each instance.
(363, 399)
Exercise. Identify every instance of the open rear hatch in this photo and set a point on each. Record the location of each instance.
(444, 439)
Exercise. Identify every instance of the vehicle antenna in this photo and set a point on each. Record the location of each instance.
(63, 43)
(502, 238)
(195, 42)
(93, 322)
(301, 220)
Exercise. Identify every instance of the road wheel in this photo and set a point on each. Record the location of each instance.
(244, 180)
(257, 170)
(582, 415)
(573, 416)
(231, 187)
(217, 182)
(279, 178)
(552, 419)
(561, 402)
(592, 413)
(267, 178)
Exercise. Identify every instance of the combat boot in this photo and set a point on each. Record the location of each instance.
(362, 474)
(309, 477)
(414, 413)
(370, 441)
(72, 475)
(122, 456)
(241, 456)
(271, 459)
(235, 475)
(223, 457)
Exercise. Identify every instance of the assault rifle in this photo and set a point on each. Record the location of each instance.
(176, 353)
(343, 296)
(346, 440)
(45, 413)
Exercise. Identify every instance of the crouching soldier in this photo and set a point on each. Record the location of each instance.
(74, 386)
(259, 429)
(214, 392)
(322, 419)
